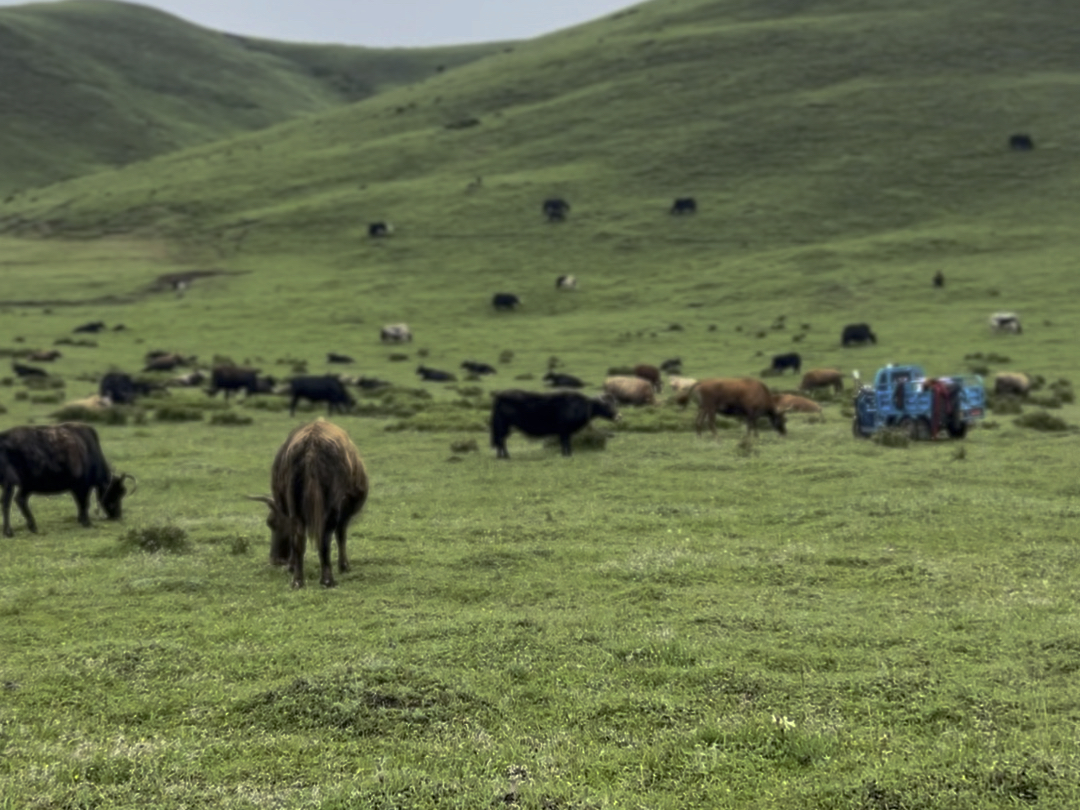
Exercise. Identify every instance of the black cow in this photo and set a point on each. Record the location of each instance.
(236, 378)
(857, 333)
(684, 205)
(327, 388)
(1021, 143)
(556, 209)
(28, 371)
(477, 368)
(334, 357)
(122, 389)
(95, 326)
(672, 366)
(434, 375)
(557, 413)
(505, 301)
(369, 383)
(782, 362)
(557, 380)
(57, 458)
(378, 229)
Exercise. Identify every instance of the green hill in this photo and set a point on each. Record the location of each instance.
(88, 85)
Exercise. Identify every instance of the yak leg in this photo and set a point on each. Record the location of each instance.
(342, 557)
(564, 442)
(9, 491)
(327, 577)
(82, 503)
(22, 500)
(296, 561)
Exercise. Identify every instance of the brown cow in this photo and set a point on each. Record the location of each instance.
(822, 378)
(650, 373)
(166, 362)
(731, 396)
(796, 404)
(319, 483)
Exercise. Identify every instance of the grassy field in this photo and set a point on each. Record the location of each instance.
(667, 622)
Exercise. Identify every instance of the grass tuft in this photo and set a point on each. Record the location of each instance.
(165, 538)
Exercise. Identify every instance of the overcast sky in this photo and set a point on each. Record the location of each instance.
(386, 23)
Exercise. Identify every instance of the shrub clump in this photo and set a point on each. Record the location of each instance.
(1005, 405)
(178, 413)
(230, 418)
(46, 399)
(114, 415)
(165, 538)
(465, 446)
(892, 437)
(1041, 420)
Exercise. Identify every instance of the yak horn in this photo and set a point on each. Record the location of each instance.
(134, 481)
(262, 499)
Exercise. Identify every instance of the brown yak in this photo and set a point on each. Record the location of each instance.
(822, 378)
(731, 396)
(795, 404)
(650, 373)
(318, 483)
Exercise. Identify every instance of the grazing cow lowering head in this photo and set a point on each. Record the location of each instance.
(1021, 143)
(822, 378)
(556, 209)
(557, 413)
(684, 205)
(379, 229)
(857, 333)
(744, 396)
(782, 362)
(505, 301)
(57, 458)
(557, 380)
(318, 483)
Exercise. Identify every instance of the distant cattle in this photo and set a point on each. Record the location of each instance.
(236, 378)
(121, 388)
(630, 390)
(434, 375)
(326, 388)
(334, 357)
(168, 362)
(44, 356)
(1008, 322)
(551, 413)
(650, 373)
(566, 283)
(556, 209)
(817, 378)
(939, 279)
(94, 326)
(1021, 143)
(791, 403)
(680, 387)
(672, 366)
(782, 362)
(57, 458)
(473, 367)
(744, 396)
(379, 229)
(505, 301)
(395, 333)
(189, 380)
(684, 205)
(557, 380)
(1012, 383)
(318, 484)
(28, 371)
(369, 383)
(857, 333)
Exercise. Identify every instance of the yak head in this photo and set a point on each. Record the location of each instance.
(282, 530)
(605, 406)
(112, 496)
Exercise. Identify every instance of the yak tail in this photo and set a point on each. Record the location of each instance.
(314, 508)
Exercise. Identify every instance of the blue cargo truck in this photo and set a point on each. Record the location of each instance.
(925, 408)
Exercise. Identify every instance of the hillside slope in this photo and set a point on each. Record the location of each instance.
(89, 85)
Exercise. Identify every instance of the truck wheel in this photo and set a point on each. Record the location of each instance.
(957, 430)
(922, 431)
(907, 425)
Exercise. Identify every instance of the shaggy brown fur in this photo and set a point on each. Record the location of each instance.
(57, 458)
(319, 483)
(822, 378)
(650, 373)
(796, 404)
(743, 396)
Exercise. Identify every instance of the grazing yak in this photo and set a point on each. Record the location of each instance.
(334, 357)
(684, 205)
(782, 362)
(557, 380)
(318, 484)
(28, 371)
(434, 375)
(650, 373)
(121, 389)
(730, 396)
(1012, 383)
(566, 283)
(556, 209)
(57, 458)
(236, 378)
(673, 365)
(1006, 322)
(473, 367)
(92, 327)
(796, 404)
(630, 390)
(379, 229)
(1021, 143)
(822, 378)
(507, 301)
(857, 333)
(395, 333)
(550, 413)
(326, 388)
(167, 362)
